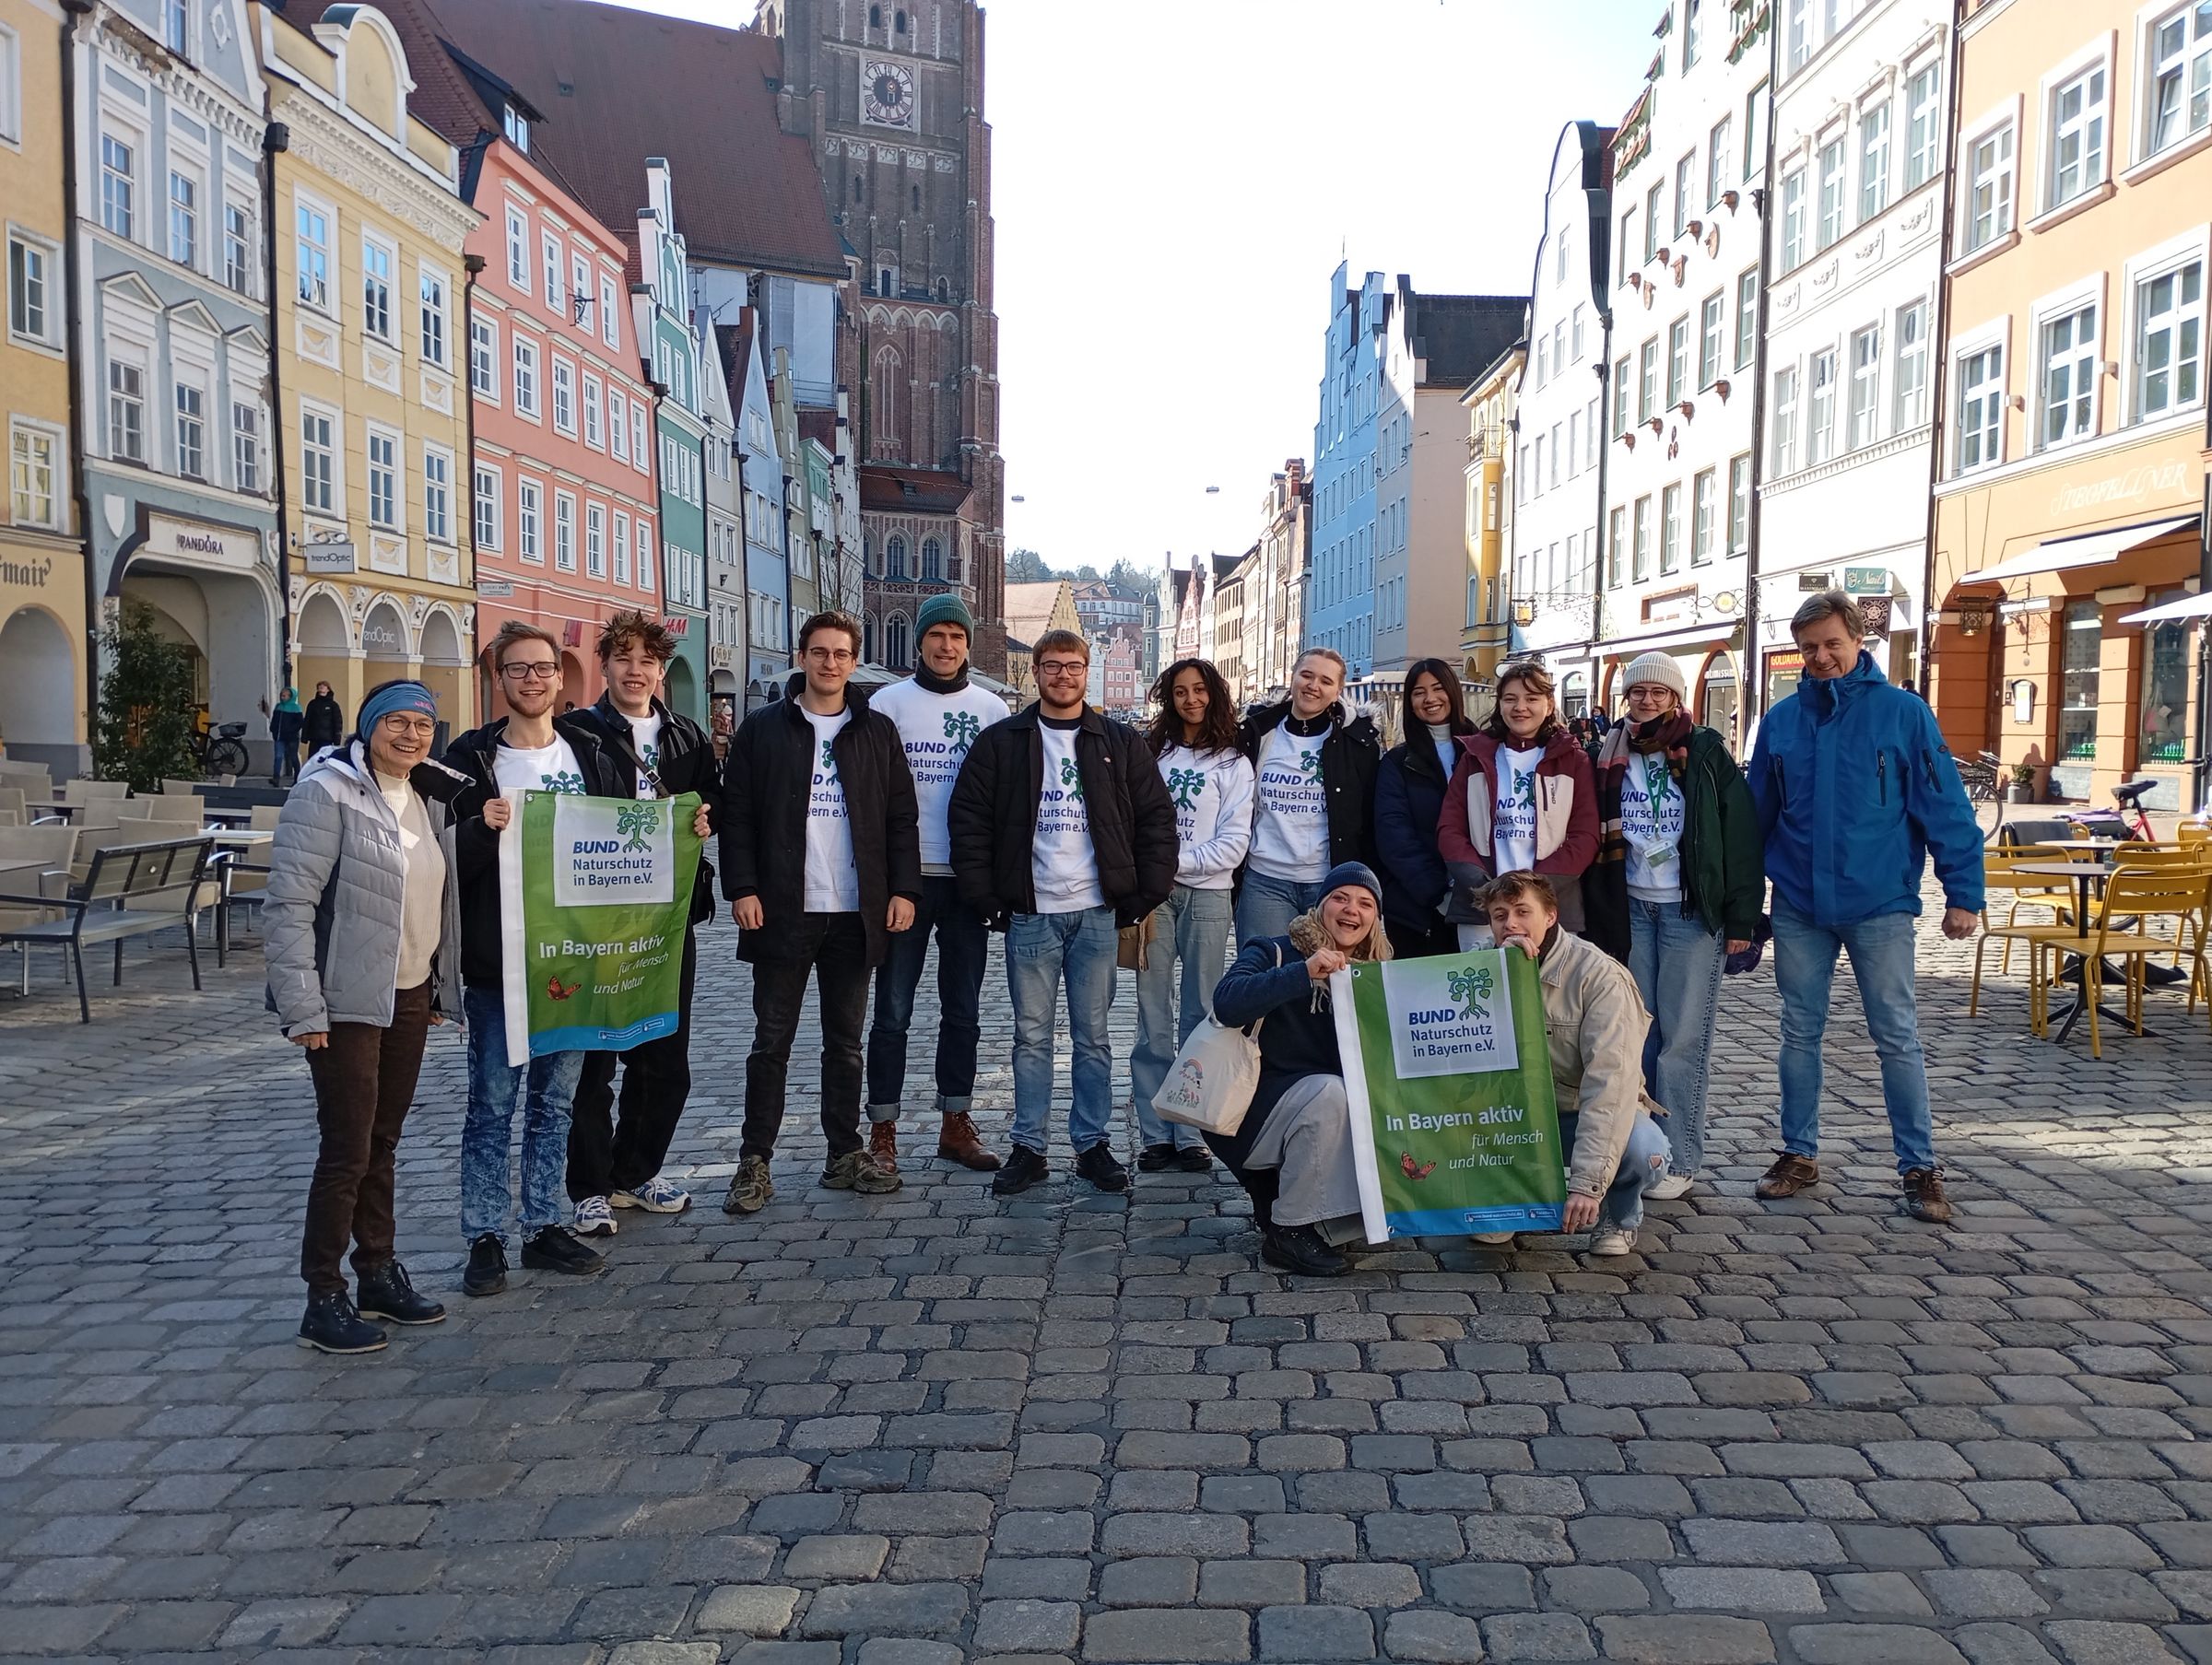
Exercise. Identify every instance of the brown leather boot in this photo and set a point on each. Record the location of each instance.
(1924, 1196)
(1790, 1175)
(883, 1144)
(958, 1141)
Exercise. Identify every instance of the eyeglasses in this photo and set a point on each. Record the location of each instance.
(834, 656)
(399, 727)
(544, 672)
(1063, 667)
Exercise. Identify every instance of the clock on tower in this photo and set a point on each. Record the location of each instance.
(886, 94)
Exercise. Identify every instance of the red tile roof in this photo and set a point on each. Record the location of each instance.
(892, 491)
(618, 85)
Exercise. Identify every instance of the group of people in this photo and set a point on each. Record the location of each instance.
(851, 829)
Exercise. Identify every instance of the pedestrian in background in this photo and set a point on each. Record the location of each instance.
(324, 722)
(362, 938)
(1410, 801)
(1855, 791)
(1315, 796)
(1522, 800)
(285, 724)
(1676, 887)
(1194, 739)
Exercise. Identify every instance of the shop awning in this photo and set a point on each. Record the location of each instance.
(2058, 554)
(2189, 606)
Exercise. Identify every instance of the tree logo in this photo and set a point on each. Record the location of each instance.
(1310, 763)
(1071, 778)
(635, 823)
(961, 728)
(829, 760)
(1470, 986)
(1187, 784)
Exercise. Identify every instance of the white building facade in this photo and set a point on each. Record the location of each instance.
(1861, 141)
(1688, 169)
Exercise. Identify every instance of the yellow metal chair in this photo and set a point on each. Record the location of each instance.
(2138, 894)
(2003, 885)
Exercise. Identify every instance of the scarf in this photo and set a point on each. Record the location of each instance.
(1309, 936)
(1669, 733)
(932, 683)
(291, 702)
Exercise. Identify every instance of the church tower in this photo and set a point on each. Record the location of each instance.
(889, 94)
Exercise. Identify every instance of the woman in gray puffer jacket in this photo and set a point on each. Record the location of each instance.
(362, 937)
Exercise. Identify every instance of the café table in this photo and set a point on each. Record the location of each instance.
(2084, 875)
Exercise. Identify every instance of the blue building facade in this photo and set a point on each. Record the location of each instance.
(1340, 610)
(680, 418)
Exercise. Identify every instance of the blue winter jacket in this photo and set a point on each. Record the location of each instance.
(1855, 788)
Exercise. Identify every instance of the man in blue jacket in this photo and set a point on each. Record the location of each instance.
(1856, 789)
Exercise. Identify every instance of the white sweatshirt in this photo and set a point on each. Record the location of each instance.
(1212, 792)
(937, 730)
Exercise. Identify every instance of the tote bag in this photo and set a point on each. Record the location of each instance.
(1209, 1085)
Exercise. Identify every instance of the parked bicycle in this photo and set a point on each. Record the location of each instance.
(1980, 776)
(220, 749)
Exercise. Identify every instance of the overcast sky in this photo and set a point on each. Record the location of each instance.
(1175, 179)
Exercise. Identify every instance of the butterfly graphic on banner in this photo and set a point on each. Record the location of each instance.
(1412, 1170)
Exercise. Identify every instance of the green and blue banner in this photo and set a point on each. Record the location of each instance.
(1454, 1127)
(595, 895)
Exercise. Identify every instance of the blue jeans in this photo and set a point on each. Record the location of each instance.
(1190, 926)
(963, 953)
(1881, 959)
(1266, 906)
(1644, 1161)
(546, 1086)
(1041, 949)
(1676, 964)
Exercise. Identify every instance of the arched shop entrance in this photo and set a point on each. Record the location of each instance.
(682, 686)
(323, 651)
(226, 621)
(445, 669)
(41, 692)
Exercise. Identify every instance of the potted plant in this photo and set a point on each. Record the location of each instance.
(2023, 783)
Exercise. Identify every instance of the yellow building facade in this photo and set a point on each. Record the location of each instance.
(44, 694)
(371, 350)
(1486, 631)
(2072, 468)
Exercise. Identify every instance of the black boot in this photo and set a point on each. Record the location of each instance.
(1300, 1249)
(332, 1326)
(555, 1248)
(387, 1294)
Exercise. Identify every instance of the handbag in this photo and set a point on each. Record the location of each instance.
(1209, 1085)
(1133, 942)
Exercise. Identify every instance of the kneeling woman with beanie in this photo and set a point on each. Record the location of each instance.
(362, 938)
(1293, 1151)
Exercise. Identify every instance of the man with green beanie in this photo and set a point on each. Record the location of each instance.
(939, 713)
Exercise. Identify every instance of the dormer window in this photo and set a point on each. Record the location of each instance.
(517, 127)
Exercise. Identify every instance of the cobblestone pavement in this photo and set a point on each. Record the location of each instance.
(926, 1427)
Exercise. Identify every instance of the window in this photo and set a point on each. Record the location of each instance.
(483, 358)
(1559, 253)
(2082, 656)
(437, 496)
(1820, 409)
(11, 85)
(431, 291)
(552, 251)
(1717, 176)
(191, 432)
(1910, 394)
(1830, 229)
(1650, 222)
(1739, 504)
(1542, 359)
(1685, 172)
(383, 478)
(1670, 529)
(238, 250)
(1798, 35)
(594, 541)
(526, 378)
(564, 532)
(487, 525)
(183, 219)
(1980, 407)
(30, 310)
(1647, 391)
(932, 560)
(1622, 381)
(2077, 136)
(518, 251)
(1989, 199)
(376, 288)
(1923, 129)
(1642, 569)
(245, 446)
(610, 313)
(1627, 241)
(639, 456)
(1712, 326)
(1793, 218)
(313, 228)
(1575, 333)
(516, 126)
(2162, 723)
(1619, 528)
(318, 462)
(529, 522)
(126, 411)
(34, 490)
(1755, 132)
(580, 290)
(1677, 360)
(118, 185)
(894, 556)
(621, 547)
(1865, 425)
(1536, 484)
(176, 25)
(1704, 508)
(1746, 318)
(2068, 385)
(617, 424)
(1874, 161)
(1785, 418)
(2170, 341)
(2181, 84)
(1693, 32)
(593, 436)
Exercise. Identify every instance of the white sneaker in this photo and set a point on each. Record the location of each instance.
(1672, 1186)
(656, 1196)
(592, 1219)
(1611, 1240)
(1495, 1240)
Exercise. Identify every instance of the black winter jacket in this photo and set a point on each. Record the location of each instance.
(686, 763)
(1410, 800)
(1348, 757)
(477, 845)
(325, 723)
(992, 816)
(766, 783)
